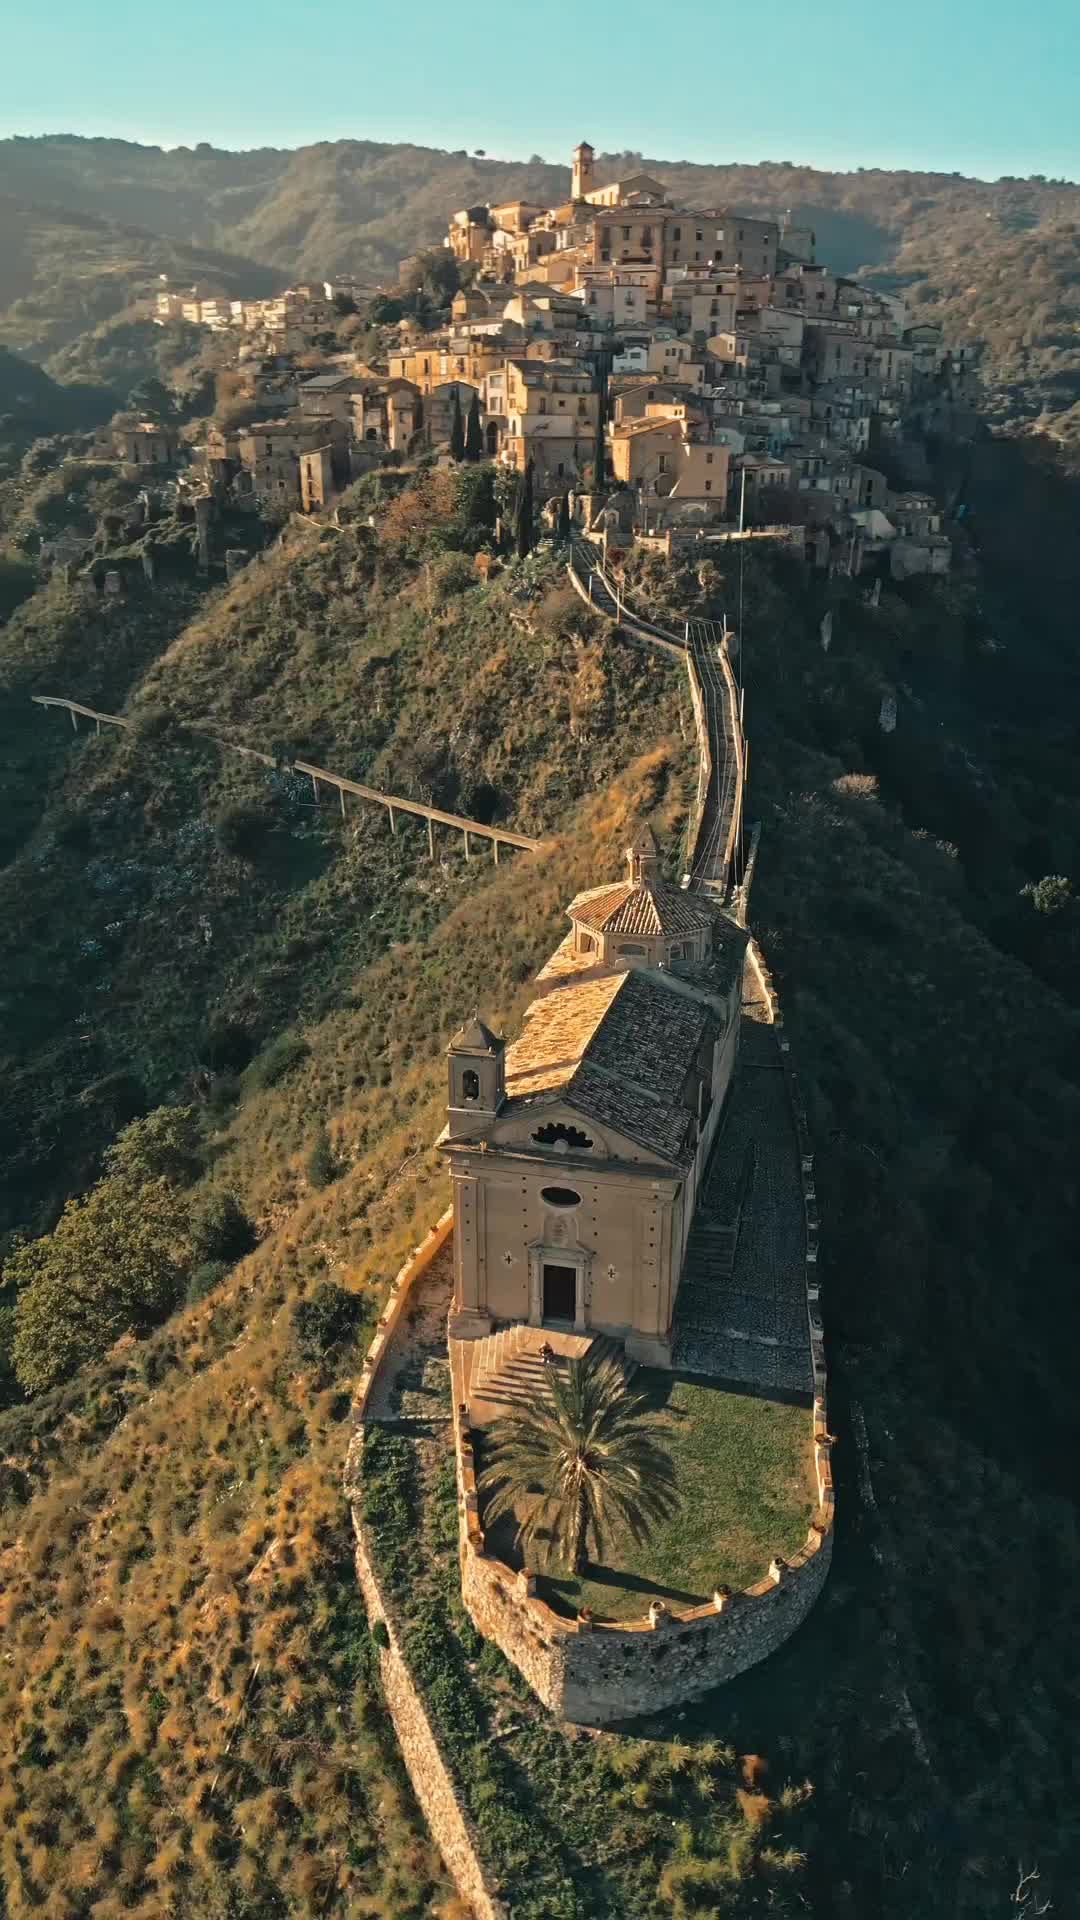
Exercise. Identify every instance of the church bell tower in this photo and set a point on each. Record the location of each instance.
(477, 1079)
(581, 179)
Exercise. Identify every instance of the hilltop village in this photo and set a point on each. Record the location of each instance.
(699, 371)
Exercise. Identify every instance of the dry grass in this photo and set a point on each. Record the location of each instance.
(192, 1722)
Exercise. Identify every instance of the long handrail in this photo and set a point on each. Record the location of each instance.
(394, 802)
(699, 651)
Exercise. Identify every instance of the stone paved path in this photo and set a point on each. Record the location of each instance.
(741, 1310)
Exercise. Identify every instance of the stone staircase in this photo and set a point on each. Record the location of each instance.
(505, 1368)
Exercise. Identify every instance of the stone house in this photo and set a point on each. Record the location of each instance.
(659, 459)
(317, 485)
(551, 416)
(675, 360)
(331, 394)
(920, 553)
(612, 298)
(270, 451)
(388, 413)
(146, 445)
(576, 1153)
(439, 409)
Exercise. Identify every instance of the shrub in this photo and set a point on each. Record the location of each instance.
(223, 1231)
(330, 1314)
(226, 1046)
(224, 1093)
(241, 829)
(204, 1279)
(279, 1058)
(380, 1633)
(151, 723)
(322, 1167)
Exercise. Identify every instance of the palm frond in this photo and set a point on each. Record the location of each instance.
(581, 1465)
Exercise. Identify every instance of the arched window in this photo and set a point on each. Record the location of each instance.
(628, 946)
(470, 1084)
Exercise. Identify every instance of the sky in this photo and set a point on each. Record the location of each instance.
(972, 86)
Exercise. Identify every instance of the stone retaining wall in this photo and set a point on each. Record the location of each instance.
(593, 1673)
(429, 1771)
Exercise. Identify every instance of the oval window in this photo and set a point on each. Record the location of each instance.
(560, 1197)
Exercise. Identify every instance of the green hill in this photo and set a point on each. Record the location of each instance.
(64, 269)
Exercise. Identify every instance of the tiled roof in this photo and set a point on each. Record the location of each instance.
(621, 1046)
(640, 909)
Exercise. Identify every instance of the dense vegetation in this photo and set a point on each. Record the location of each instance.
(64, 268)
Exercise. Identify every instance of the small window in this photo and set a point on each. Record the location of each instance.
(560, 1197)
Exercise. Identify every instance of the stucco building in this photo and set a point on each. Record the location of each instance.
(576, 1152)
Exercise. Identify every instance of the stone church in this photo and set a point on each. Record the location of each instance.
(577, 1151)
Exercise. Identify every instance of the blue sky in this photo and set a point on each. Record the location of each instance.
(979, 86)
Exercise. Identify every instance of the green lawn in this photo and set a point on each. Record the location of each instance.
(745, 1471)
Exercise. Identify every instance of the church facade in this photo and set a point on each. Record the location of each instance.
(576, 1152)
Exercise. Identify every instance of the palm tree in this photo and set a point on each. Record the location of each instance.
(580, 1463)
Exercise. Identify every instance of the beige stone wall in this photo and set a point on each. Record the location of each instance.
(593, 1674)
(430, 1774)
(502, 1213)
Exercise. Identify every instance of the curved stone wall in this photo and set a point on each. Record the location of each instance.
(593, 1673)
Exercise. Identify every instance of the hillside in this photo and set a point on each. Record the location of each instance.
(66, 268)
(294, 977)
(288, 981)
(996, 260)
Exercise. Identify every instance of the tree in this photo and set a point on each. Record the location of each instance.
(163, 1145)
(457, 429)
(434, 271)
(562, 529)
(152, 397)
(580, 1464)
(523, 521)
(474, 433)
(113, 1264)
(476, 500)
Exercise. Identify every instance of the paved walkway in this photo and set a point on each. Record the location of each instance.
(741, 1311)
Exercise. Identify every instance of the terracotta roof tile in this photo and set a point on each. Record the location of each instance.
(640, 909)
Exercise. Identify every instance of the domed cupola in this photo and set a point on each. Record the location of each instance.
(641, 919)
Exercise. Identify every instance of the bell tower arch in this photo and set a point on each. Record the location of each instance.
(477, 1075)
